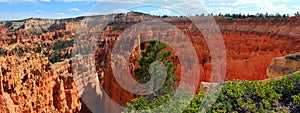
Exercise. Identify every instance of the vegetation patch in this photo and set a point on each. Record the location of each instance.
(2, 51)
(59, 45)
(236, 96)
(293, 57)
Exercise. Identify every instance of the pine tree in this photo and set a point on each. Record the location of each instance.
(297, 14)
(151, 56)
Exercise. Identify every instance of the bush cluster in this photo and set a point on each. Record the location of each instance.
(236, 96)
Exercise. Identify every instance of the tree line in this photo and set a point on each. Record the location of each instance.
(257, 15)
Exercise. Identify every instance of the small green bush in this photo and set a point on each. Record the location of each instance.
(293, 57)
(2, 51)
(296, 99)
(59, 45)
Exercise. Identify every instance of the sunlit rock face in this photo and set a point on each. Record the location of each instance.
(284, 65)
(36, 56)
(34, 84)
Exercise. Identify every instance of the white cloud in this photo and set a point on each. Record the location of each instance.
(251, 6)
(257, 3)
(190, 7)
(296, 7)
(45, 0)
(120, 11)
(60, 13)
(5, 0)
(161, 12)
(39, 11)
(74, 9)
(218, 1)
(220, 9)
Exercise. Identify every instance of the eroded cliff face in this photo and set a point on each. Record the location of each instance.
(35, 86)
(283, 66)
(250, 44)
(37, 68)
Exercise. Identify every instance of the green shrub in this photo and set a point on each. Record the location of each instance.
(296, 99)
(293, 57)
(59, 45)
(242, 96)
(2, 51)
(19, 51)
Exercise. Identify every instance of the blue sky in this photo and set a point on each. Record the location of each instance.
(21, 9)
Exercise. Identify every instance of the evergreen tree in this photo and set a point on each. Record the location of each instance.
(151, 56)
(297, 14)
(284, 16)
(267, 15)
(220, 14)
(278, 15)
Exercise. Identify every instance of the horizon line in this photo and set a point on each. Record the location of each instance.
(195, 15)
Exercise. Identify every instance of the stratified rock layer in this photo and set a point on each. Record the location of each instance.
(283, 65)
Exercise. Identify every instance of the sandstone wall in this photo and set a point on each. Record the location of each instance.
(36, 87)
(282, 66)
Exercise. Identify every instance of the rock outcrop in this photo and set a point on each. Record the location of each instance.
(31, 83)
(284, 65)
(7, 105)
